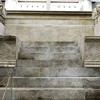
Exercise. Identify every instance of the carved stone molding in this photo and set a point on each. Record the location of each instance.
(92, 51)
(8, 51)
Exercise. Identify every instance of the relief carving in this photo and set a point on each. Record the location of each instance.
(96, 11)
(2, 9)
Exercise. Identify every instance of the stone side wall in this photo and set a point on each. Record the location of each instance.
(96, 17)
(49, 26)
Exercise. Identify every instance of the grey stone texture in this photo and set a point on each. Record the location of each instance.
(7, 51)
(7, 48)
(45, 94)
(50, 63)
(53, 79)
(49, 26)
(92, 51)
(56, 72)
(96, 16)
(2, 29)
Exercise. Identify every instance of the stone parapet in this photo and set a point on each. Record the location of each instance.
(8, 49)
(92, 51)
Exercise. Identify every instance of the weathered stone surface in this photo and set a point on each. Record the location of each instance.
(92, 82)
(8, 94)
(2, 27)
(7, 51)
(50, 56)
(45, 47)
(49, 94)
(44, 94)
(53, 82)
(61, 78)
(49, 33)
(96, 17)
(56, 72)
(52, 49)
(93, 94)
(8, 48)
(55, 22)
(5, 71)
(50, 63)
(57, 82)
(25, 44)
(92, 51)
(46, 27)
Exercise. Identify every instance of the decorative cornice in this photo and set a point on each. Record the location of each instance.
(50, 12)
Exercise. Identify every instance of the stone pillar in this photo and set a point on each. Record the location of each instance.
(2, 17)
(96, 17)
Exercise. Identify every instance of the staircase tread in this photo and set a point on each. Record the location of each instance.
(24, 88)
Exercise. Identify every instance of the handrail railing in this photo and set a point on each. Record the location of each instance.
(6, 80)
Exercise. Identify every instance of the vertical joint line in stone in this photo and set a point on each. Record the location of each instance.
(48, 5)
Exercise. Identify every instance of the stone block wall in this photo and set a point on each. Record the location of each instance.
(96, 17)
(49, 26)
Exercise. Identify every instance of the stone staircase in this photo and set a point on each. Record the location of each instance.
(41, 72)
(53, 71)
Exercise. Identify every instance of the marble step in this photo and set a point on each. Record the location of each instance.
(49, 56)
(49, 63)
(47, 44)
(57, 82)
(56, 72)
(45, 94)
(51, 94)
(50, 49)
